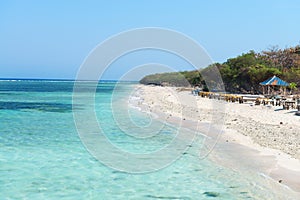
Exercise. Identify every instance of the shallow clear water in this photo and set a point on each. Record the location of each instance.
(42, 157)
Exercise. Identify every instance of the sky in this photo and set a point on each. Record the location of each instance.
(51, 39)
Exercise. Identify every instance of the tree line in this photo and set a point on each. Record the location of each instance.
(242, 73)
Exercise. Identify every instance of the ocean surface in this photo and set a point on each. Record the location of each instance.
(42, 156)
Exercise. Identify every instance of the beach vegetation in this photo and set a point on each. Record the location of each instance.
(293, 86)
(242, 73)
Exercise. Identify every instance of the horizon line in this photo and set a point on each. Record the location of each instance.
(65, 79)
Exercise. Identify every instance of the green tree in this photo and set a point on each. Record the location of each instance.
(293, 86)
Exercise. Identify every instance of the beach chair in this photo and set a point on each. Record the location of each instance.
(257, 102)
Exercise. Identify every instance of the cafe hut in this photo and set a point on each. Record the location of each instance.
(271, 84)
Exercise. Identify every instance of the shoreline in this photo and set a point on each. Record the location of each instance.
(174, 107)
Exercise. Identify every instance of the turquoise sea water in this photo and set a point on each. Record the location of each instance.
(42, 157)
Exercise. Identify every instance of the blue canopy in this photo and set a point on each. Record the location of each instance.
(274, 81)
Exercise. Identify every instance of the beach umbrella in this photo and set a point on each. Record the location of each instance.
(274, 81)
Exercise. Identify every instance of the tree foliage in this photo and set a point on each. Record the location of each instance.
(242, 73)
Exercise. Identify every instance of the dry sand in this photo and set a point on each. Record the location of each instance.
(268, 135)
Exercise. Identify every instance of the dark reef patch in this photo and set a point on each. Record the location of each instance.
(38, 106)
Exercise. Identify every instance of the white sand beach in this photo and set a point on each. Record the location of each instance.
(265, 137)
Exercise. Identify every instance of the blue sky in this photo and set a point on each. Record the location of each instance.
(50, 39)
